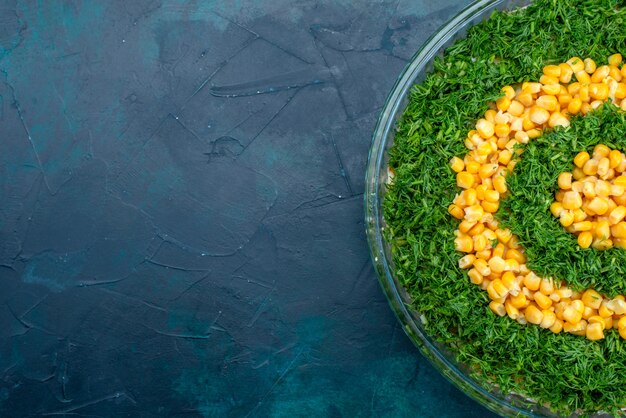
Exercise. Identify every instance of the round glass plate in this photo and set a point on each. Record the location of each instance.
(376, 179)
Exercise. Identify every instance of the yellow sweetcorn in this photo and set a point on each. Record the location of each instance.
(591, 202)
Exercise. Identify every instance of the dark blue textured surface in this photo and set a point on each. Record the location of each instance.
(181, 226)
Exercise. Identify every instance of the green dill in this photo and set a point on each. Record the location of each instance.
(568, 372)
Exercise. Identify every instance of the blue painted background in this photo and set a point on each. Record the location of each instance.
(181, 221)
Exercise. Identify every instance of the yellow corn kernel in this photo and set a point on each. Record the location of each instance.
(620, 91)
(492, 196)
(503, 235)
(552, 70)
(604, 311)
(615, 59)
(464, 180)
(621, 180)
(468, 197)
(603, 188)
(583, 78)
(621, 324)
(539, 115)
(548, 102)
(485, 128)
(602, 244)
(573, 313)
(499, 183)
(546, 287)
(456, 211)
(556, 208)
(542, 300)
(533, 314)
(464, 243)
(511, 265)
(516, 255)
(519, 301)
(480, 243)
(588, 313)
(472, 167)
(565, 100)
(485, 254)
(474, 213)
(615, 74)
(616, 190)
(466, 225)
(585, 108)
(499, 250)
(597, 319)
(617, 215)
(511, 310)
(602, 230)
(572, 200)
(581, 226)
(504, 157)
(585, 239)
(526, 98)
(583, 94)
(591, 298)
(510, 281)
(549, 318)
(581, 158)
(619, 230)
(490, 207)
(503, 103)
(574, 106)
(590, 65)
(497, 264)
(615, 158)
(566, 73)
(483, 149)
(557, 327)
(622, 332)
(502, 130)
(497, 289)
(481, 189)
(533, 133)
(591, 167)
(497, 308)
(579, 215)
(603, 167)
(599, 91)
(532, 281)
(551, 89)
(475, 276)
(482, 267)
(466, 261)
(516, 108)
(595, 331)
(617, 305)
(598, 205)
(600, 74)
(487, 170)
(565, 181)
(509, 92)
(566, 218)
(576, 64)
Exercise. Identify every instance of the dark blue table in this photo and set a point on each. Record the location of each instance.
(181, 221)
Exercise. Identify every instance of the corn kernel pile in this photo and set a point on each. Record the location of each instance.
(520, 115)
(593, 206)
